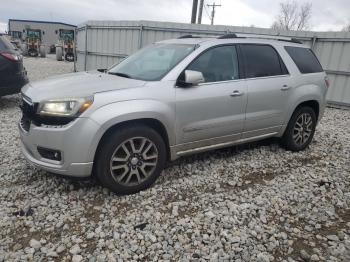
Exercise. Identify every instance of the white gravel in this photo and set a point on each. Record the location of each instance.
(256, 202)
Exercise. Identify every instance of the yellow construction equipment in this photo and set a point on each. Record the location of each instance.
(33, 43)
(65, 45)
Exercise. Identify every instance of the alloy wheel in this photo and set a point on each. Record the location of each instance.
(134, 161)
(303, 129)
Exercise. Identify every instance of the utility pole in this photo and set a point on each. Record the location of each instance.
(213, 12)
(200, 12)
(194, 11)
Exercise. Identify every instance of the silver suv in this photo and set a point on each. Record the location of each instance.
(170, 99)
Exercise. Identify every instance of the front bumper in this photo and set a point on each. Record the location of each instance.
(75, 141)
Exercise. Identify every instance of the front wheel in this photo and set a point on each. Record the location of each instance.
(300, 129)
(69, 57)
(130, 159)
(33, 52)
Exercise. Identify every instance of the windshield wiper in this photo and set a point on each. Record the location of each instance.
(119, 74)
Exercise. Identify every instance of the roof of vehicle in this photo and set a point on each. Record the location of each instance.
(254, 40)
(41, 22)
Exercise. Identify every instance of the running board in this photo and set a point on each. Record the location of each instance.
(226, 144)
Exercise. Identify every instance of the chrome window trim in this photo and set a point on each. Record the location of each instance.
(241, 79)
(266, 77)
(221, 82)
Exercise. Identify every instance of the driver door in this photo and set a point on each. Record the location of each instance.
(212, 112)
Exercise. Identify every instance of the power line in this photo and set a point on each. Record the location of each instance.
(207, 12)
(213, 11)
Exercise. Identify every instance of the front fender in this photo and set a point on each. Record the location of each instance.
(119, 112)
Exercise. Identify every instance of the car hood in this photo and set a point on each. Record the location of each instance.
(80, 84)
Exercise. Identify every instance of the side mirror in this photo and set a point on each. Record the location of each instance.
(191, 78)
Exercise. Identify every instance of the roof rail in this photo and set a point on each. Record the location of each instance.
(261, 36)
(188, 36)
(292, 40)
(249, 35)
(228, 36)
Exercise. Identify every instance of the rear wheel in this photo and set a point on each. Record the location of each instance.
(130, 159)
(59, 53)
(300, 129)
(42, 51)
(24, 49)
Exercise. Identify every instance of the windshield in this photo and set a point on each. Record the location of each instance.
(152, 63)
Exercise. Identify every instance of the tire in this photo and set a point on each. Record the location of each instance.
(135, 171)
(59, 53)
(300, 130)
(69, 57)
(33, 52)
(42, 51)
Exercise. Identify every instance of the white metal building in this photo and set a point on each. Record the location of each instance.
(49, 30)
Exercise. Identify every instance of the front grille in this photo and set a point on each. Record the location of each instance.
(25, 123)
(28, 112)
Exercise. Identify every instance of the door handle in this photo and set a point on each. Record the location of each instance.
(285, 87)
(236, 93)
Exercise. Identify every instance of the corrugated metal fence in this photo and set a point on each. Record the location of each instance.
(101, 44)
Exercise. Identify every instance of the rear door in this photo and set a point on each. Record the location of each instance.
(268, 83)
(212, 112)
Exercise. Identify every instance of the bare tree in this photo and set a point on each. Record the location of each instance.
(346, 28)
(292, 16)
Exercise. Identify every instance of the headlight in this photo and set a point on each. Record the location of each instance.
(65, 107)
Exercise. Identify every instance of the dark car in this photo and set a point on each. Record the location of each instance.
(13, 75)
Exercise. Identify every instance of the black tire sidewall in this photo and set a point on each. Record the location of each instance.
(288, 140)
(33, 53)
(112, 142)
(69, 57)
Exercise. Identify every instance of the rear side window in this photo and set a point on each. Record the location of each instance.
(262, 61)
(5, 44)
(305, 59)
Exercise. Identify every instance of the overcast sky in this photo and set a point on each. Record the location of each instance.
(326, 15)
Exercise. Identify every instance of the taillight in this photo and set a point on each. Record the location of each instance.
(326, 80)
(10, 56)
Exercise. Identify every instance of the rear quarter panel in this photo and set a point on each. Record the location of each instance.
(306, 87)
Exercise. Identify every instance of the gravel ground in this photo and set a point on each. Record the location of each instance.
(256, 202)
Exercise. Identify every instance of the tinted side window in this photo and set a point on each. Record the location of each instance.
(305, 59)
(262, 60)
(5, 44)
(217, 64)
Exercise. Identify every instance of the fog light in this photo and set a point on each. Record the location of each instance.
(50, 153)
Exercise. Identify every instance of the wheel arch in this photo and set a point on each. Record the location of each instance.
(153, 123)
(314, 104)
